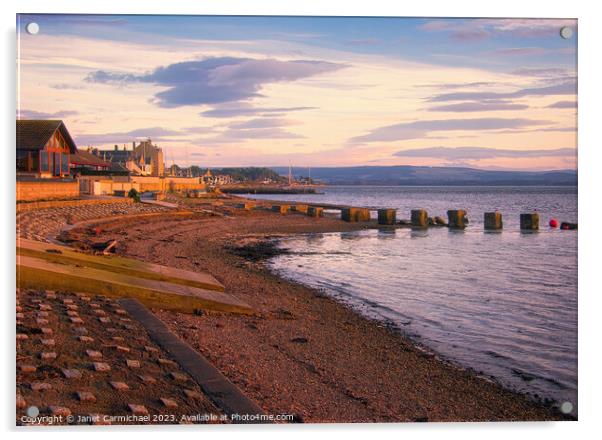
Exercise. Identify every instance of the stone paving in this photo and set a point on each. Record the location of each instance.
(88, 372)
(39, 224)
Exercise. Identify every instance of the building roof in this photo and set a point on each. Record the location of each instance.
(35, 134)
(85, 158)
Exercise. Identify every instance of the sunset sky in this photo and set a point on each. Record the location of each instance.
(307, 91)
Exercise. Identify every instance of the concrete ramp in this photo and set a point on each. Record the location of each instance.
(127, 266)
(36, 273)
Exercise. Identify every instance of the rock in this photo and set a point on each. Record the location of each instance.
(168, 403)
(85, 396)
(119, 386)
(59, 411)
(101, 366)
(139, 410)
(71, 373)
(40, 386)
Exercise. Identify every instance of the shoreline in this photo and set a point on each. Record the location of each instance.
(328, 362)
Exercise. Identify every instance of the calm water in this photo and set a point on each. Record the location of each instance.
(504, 304)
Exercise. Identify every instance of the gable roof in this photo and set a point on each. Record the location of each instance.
(34, 134)
(82, 157)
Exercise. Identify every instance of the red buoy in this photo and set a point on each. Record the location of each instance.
(553, 223)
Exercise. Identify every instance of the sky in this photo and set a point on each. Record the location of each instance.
(218, 91)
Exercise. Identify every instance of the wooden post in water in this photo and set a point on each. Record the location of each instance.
(352, 214)
(300, 208)
(455, 218)
(529, 222)
(282, 209)
(387, 216)
(315, 211)
(493, 221)
(420, 218)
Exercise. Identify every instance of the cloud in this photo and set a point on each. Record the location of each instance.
(479, 106)
(542, 72)
(263, 123)
(365, 42)
(518, 51)
(32, 114)
(418, 129)
(564, 88)
(217, 80)
(479, 153)
(479, 29)
(563, 104)
(156, 133)
(246, 109)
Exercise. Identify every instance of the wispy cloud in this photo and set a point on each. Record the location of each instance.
(565, 88)
(263, 123)
(563, 104)
(479, 106)
(419, 129)
(217, 80)
(478, 153)
(32, 114)
(157, 133)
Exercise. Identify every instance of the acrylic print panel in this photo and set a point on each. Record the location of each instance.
(295, 219)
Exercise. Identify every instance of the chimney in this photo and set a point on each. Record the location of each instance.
(133, 144)
(116, 147)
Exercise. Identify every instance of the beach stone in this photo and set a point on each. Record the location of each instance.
(139, 410)
(168, 403)
(46, 330)
(75, 320)
(104, 319)
(99, 312)
(94, 305)
(493, 221)
(22, 336)
(28, 368)
(122, 348)
(101, 366)
(48, 342)
(72, 307)
(191, 394)
(41, 321)
(59, 411)
(120, 312)
(40, 386)
(166, 362)
(67, 301)
(419, 218)
(71, 373)
(45, 307)
(21, 403)
(147, 379)
(42, 314)
(178, 376)
(119, 386)
(150, 349)
(131, 363)
(85, 396)
(456, 218)
(94, 354)
(80, 330)
(72, 313)
(85, 339)
(48, 355)
(19, 309)
(529, 221)
(118, 338)
(387, 216)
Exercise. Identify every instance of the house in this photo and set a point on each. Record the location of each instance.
(44, 148)
(84, 161)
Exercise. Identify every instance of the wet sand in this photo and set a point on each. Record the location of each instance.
(304, 353)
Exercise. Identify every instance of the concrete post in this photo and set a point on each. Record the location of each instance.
(420, 218)
(387, 216)
(493, 221)
(249, 205)
(455, 218)
(529, 222)
(315, 211)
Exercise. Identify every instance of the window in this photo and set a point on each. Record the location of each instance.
(56, 170)
(64, 164)
(44, 162)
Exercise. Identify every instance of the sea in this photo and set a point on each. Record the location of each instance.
(503, 304)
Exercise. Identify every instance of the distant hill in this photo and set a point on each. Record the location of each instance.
(431, 176)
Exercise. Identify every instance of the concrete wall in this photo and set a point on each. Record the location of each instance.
(107, 186)
(46, 190)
